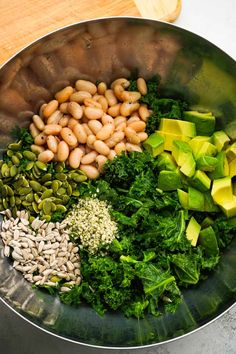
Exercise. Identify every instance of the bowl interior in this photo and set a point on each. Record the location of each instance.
(192, 69)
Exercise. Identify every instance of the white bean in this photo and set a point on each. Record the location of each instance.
(130, 96)
(118, 120)
(52, 143)
(50, 108)
(138, 126)
(101, 160)
(142, 136)
(133, 119)
(80, 133)
(115, 139)
(111, 155)
(55, 117)
(93, 112)
(63, 122)
(64, 94)
(144, 113)
(95, 126)
(37, 149)
(84, 85)
(72, 122)
(68, 136)
(62, 151)
(119, 148)
(80, 96)
(105, 133)
(46, 156)
(90, 171)
(106, 119)
(101, 147)
(89, 158)
(52, 129)
(38, 122)
(63, 107)
(111, 98)
(75, 110)
(132, 136)
(127, 108)
(75, 157)
(40, 139)
(90, 102)
(142, 86)
(103, 102)
(114, 111)
(133, 147)
(88, 131)
(33, 130)
(121, 81)
(102, 87)
(90, 141)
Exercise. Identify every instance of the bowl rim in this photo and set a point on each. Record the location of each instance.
(67, 339)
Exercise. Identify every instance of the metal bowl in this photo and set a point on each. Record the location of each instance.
(191, 68)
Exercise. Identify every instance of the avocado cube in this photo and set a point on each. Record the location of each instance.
(180, 151)
(229, 208)
(154, 144)
(169, 180)
(204, 122)
(192, 231)
(220, 140)
(177, 126)
(201, 181)
(206, 163)
(170, 137)
(209, 204)
(231, 152)
(208, 240)
(183, 198)
(206, 149)
(222, 167)
(188, 168)
(232, 168)
(165, 161)
(207, 222)
(222, 190)
(196, 143)
(195, 199)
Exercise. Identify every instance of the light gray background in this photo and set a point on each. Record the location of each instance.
(214, 20)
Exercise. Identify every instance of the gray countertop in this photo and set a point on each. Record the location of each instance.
(214, 20)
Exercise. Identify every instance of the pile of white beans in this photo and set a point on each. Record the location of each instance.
(86, 125)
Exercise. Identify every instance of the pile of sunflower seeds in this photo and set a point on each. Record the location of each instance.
(41, 251)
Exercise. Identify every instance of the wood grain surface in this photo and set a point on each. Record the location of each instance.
(23, 21)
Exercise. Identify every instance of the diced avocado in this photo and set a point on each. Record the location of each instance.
(231, 152)
(209, 204)
(195, 199)
(229, 208)
(192, 231)
(207, 149)
(188, 168)
(154, 144)
(234, 188)
(179, 127)
(165, 161)
(222, 191)
(206, 163)
(196, 143)
(232, 168)
(220, 140)
(207, 222)
(169, 137)
(169, 180)
(180, 151)
(201, 181)
(205, 122)
(208, 240)
(183, 198)
(222, 167)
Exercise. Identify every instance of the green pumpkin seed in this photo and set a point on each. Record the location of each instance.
(54, 207)
(13, 171)
(76, 193)
(43, 189)
(61, 191)
(15, 160)
(61, 208)
(55, 279)
(46, 177)
(4, 202)
(78, 178)
(55, 186)
(36, 198)
(56, 200)
(29, 197)
(14, 211)
(25, 203)
(35, 207)
(24, 190)
(69, 190)
(4, 191)
(10, 191)
(48, 184)
(61, 176)
(42, 166)
(29, 155)
(47, 194)
(46, 217)
(29, 166)
(15, 146)
(60, 166)
(19, 155)
(10, 153)
(12, 201)
(36, 186)
(4, 170)
(31, 218)
(65, 199)
(36, 169)
(40, 205)
(35, 174)
(47, 207)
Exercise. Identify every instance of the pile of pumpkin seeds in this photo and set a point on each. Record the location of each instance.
(41, 189)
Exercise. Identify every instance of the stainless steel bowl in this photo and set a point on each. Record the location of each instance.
(191, 68)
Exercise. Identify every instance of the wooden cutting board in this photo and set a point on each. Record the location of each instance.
(23, 21)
